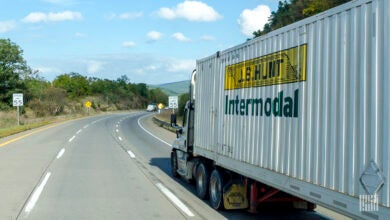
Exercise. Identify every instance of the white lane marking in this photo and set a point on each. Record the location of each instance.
(120, 138)
(117, 125)
(174, 199)
(96, 121)
(62, 151)
(35, 196)
(117, 130)
(72, 138)
(131, 154)
(78, 132)
(139, 124)
(86, 126)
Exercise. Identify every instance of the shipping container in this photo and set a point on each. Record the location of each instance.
(305, 109)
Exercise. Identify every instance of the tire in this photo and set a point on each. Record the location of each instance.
(202, 181)
(174, 164)
(215, 189)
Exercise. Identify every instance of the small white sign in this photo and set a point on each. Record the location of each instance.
(17, 99)
(173, 102)
(368, 203)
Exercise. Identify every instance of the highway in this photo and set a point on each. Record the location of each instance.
(112, 166)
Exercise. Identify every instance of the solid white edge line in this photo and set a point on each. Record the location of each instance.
(139, 124)
(59, 155)
(174, 199)
(120, 138)
(132, 155)
(35, 196)
(71, 139)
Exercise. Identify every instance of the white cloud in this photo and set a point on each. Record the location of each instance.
(46, 70)
(190, 10)
(6, 26)
(128, 44)
(185, 66)
(130, 15)
(152, 67)
(253, 20)
(94, 66)
(80, 35)
(154, 35)
(207, 38)
(36, 17)
(180, 37)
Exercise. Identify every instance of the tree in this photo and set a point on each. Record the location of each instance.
(157, 96)
(295, 10)
(12, 69)
(74, 84)
(35, 88)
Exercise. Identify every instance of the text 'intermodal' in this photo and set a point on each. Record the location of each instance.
(282, 67)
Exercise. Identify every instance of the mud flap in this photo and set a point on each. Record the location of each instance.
(234, 197)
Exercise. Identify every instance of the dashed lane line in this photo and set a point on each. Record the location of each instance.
(72, 138)
(132, 155)
(62, 151)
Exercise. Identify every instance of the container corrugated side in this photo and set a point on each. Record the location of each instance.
(343, 118)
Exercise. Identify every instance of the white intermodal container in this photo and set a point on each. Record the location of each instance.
(306, 109)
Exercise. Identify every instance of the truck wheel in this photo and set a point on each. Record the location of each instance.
(216, 183)
(202, 180)
(174, 164)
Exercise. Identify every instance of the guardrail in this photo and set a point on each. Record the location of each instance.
(164, 124)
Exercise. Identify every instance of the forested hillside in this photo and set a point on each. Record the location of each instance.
(68, 92)
(294, 10)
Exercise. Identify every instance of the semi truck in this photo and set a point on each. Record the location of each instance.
(299, 115)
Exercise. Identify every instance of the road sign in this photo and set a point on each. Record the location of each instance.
(17, 99)
(88, 104)
(173, 101)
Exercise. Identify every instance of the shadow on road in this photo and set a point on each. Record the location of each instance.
(267, 211)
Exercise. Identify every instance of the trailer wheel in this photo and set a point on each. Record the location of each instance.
(174, 164)
(202, 181)
(216, 184)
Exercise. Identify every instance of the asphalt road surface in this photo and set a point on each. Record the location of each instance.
(113, 166)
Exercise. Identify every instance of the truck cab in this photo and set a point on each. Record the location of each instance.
(181, 157)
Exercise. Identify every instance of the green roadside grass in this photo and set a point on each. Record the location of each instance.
(4, 132)
(28, 125)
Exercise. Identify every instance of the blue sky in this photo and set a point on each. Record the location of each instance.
(150, 41)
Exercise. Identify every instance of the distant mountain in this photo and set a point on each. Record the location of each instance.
(175, 88)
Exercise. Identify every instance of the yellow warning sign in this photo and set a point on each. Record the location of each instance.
(286, 66)
(88, 104)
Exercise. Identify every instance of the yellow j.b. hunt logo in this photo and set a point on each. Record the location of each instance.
(286, 66)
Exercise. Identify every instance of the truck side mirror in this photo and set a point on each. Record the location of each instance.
(173, 120)
(179, 132)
